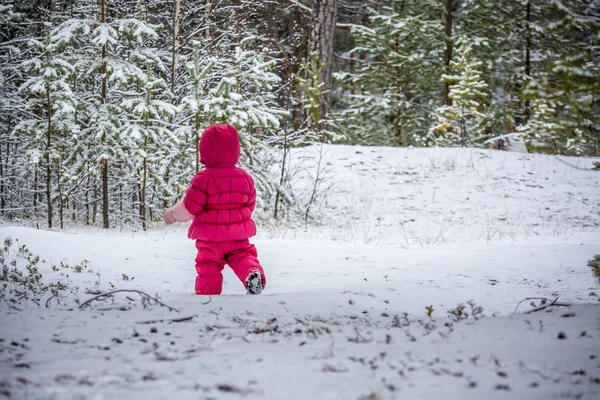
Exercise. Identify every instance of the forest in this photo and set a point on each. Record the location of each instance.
(103, 102)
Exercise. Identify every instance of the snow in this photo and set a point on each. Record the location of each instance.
(417, 197)
(343, 315)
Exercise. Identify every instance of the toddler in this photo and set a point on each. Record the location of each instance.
(220, 201)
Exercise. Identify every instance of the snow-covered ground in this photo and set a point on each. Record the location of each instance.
(344, 314)
(417, 197)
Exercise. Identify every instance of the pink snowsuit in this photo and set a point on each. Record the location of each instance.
(220, 201)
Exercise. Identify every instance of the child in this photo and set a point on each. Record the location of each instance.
(220, 202)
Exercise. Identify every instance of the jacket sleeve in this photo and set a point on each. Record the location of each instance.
(180, 213)
(195, 198)
(251, 203)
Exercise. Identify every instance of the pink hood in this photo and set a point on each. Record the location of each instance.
(219, 146)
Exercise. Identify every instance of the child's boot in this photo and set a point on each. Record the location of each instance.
(254, 283)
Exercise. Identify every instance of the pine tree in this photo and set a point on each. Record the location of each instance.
(198, 70)
(394, 86)
(463, 122)
(148, 114)
(575, 73)
(51, 102)
(310, 91)
(12, 54)
(541, 133)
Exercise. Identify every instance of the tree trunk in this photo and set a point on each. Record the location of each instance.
(527, 55)
(207, 12)
(104, 166)
(95, 204)
(143, 188)
(48, 165)
(2, 177)
(321, 41)
(61, 203)
(87, 207)
(104, 161)
(449, 48)
(398, 117)
(352, 71)
(176, 22)
(282, 176)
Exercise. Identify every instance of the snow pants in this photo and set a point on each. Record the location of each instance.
(240, 255)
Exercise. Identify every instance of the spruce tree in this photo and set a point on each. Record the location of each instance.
(148, 112)
(393, 89)
(541, 133)
(463, 122)
(50, 102)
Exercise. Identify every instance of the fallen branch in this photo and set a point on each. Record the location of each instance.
(146, 298)
(506, 136)
(156, 321)
(529, 298)
(553, 304)
(544, 305)
(572, 165)
(50, 299)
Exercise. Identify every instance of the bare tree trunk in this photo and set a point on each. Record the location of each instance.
(61, 203)
(10, 189)
(527, 55)
(363, 54)
(351, 66)
(48, 165)
(283, 171)
(95, 205)
(321, 41)
(2, 177)
(74, 216)
(176, 22)
(104, 161)
(142, 210)
(143, 188)
(398, 117)
(35, 192)
(87, 207)
(207, 13)
(104, 167)
(449, 48)
(149, 208)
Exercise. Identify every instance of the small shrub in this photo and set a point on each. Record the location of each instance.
(429, 311)
(461, 312)
(20, 276)
(594, 264)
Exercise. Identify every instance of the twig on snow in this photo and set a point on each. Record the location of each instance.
(49, 299)
(156, 321)
(146, 298)
(573, 165)
(553, 304)
(545, 304)
(529, 298)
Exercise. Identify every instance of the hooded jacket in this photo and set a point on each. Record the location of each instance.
(221, 198)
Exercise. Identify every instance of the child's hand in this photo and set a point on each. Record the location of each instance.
(169, 218)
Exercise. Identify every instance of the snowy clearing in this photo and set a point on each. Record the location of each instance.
(417, 197)
(343, 319)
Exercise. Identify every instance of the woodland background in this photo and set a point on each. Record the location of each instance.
(102, 102)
